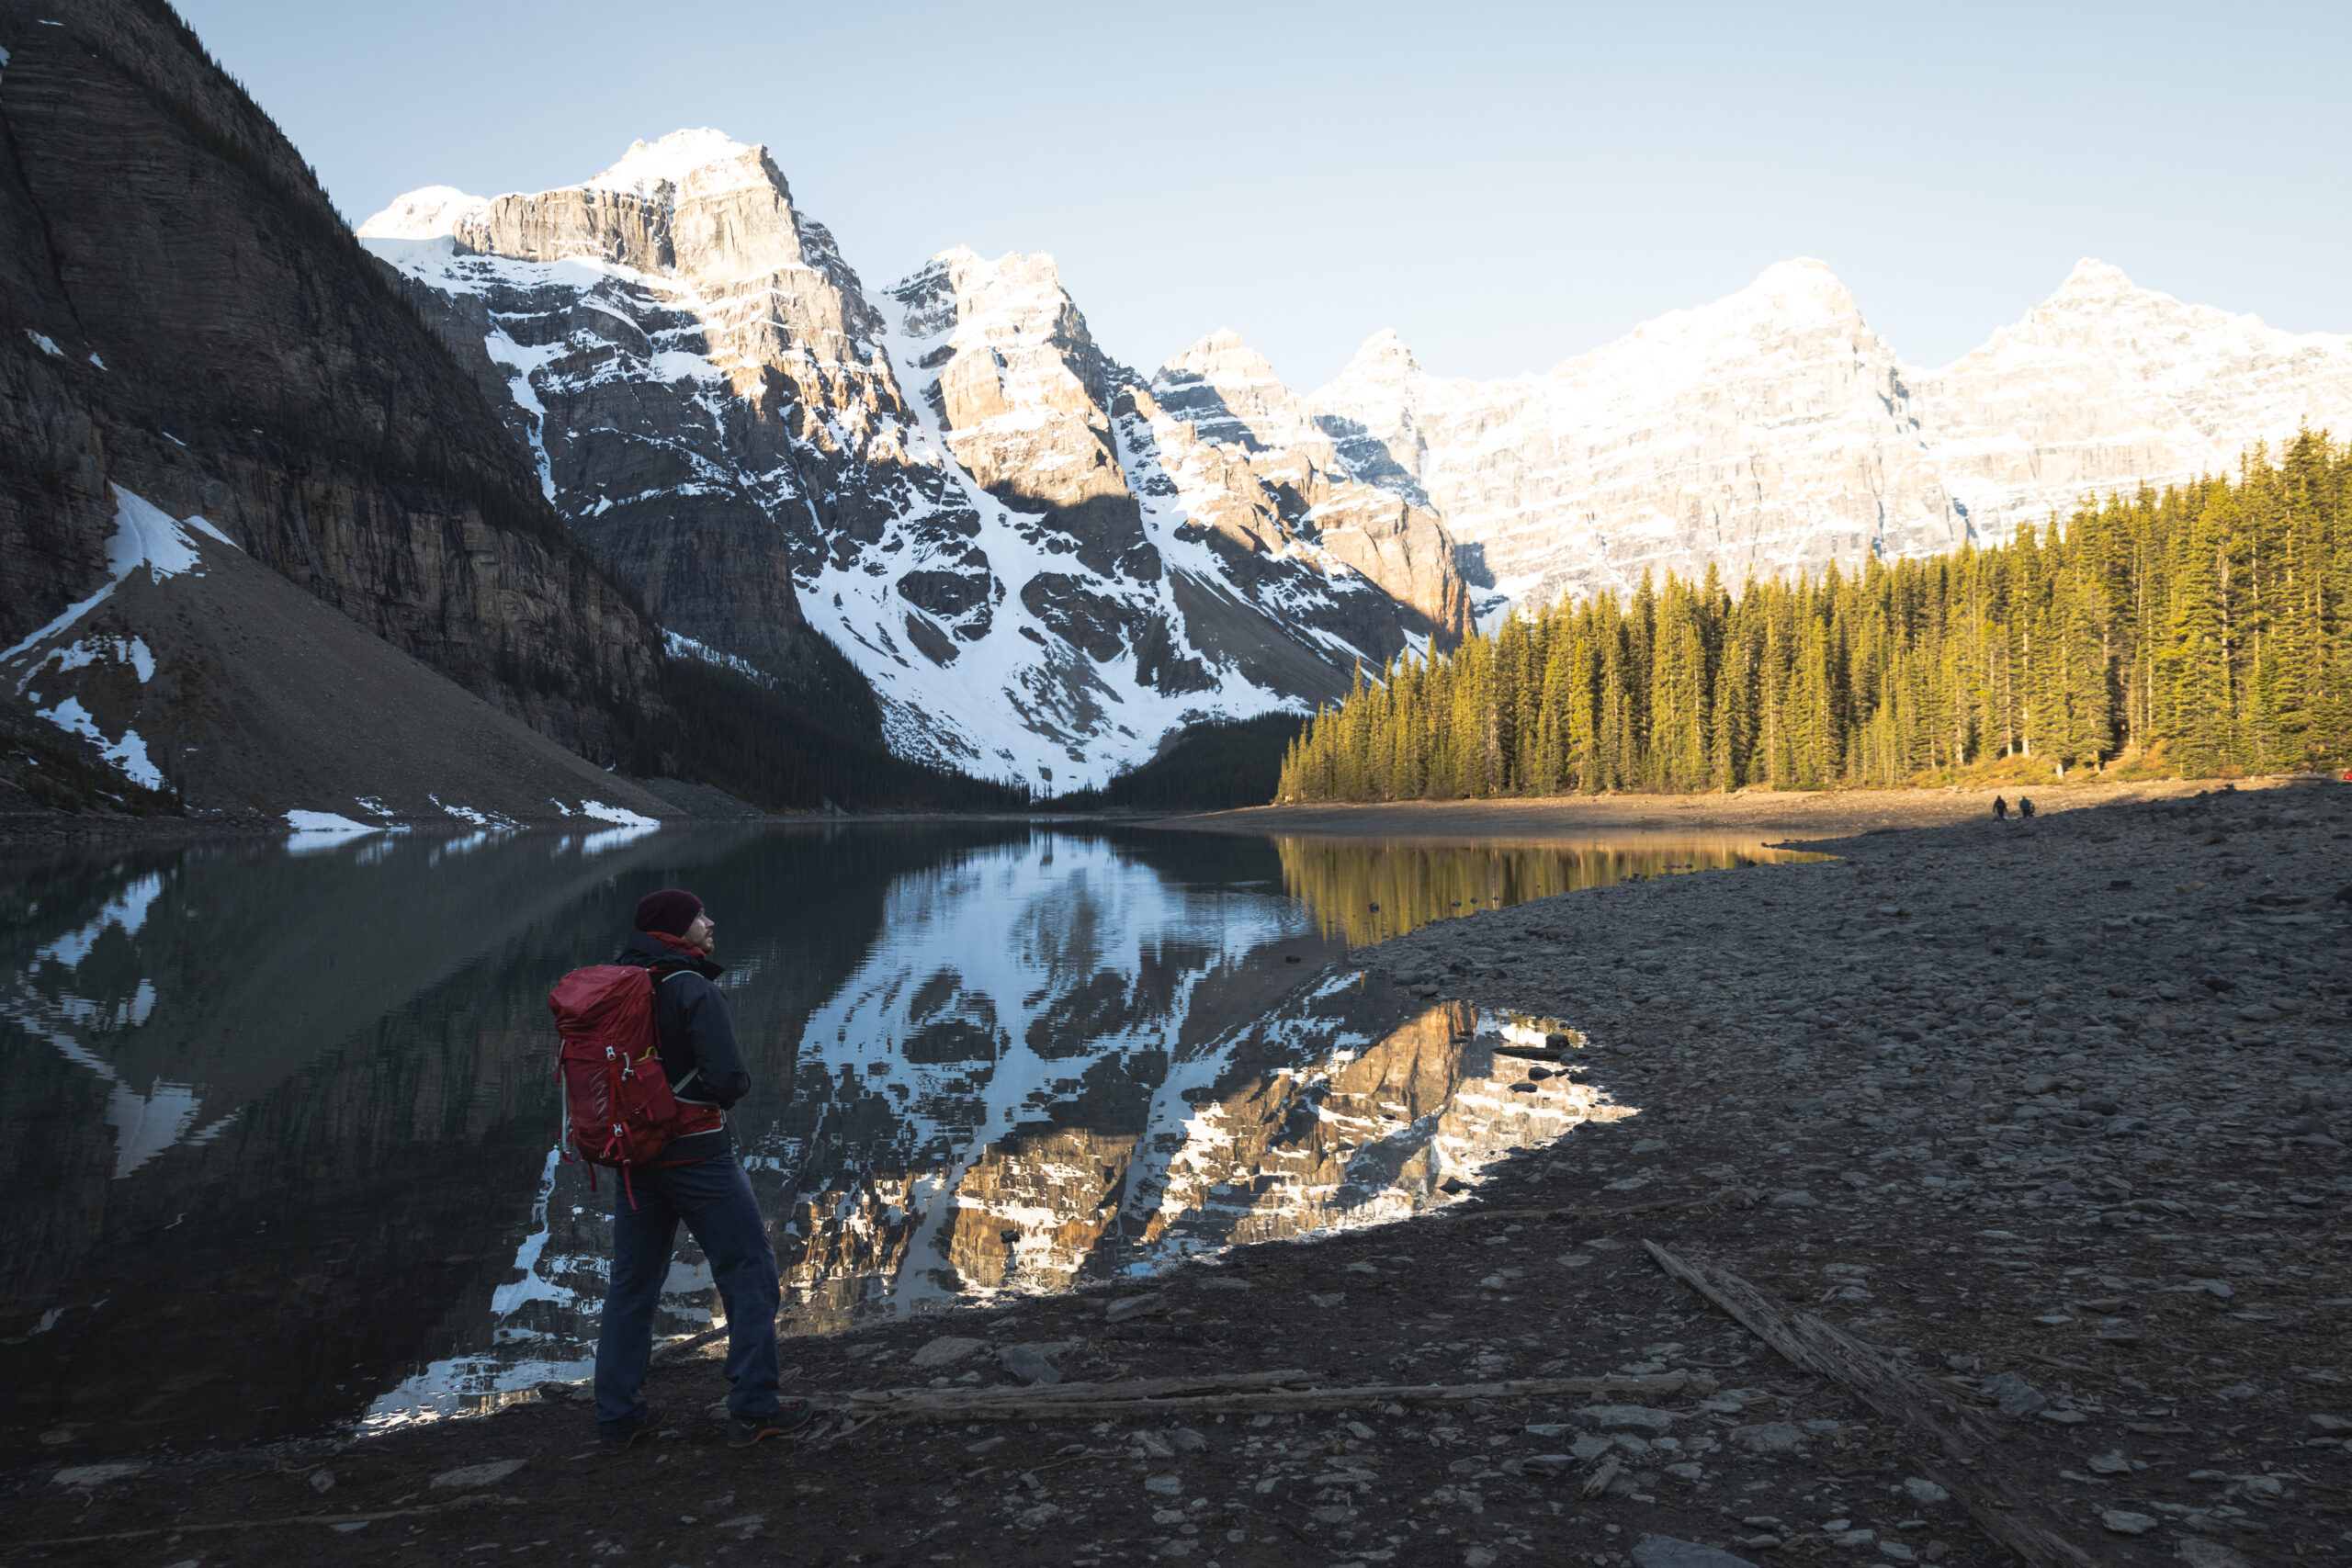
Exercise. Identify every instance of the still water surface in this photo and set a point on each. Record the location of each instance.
(281, 1116)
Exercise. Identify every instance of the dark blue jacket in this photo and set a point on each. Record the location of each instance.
(699, 1050)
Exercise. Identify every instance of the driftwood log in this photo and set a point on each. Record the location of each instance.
(1246, 1393)
(1727, 1197)
(475, 1501)
(1972, 1467)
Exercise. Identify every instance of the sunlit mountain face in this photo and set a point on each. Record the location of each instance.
(283, 1113)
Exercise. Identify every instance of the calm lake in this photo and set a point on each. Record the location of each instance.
(279, 1116)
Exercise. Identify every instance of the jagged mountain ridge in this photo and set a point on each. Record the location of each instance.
(1043, 561)
(1772, 430)
(1039, 572)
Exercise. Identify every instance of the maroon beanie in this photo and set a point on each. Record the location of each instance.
(670, 911)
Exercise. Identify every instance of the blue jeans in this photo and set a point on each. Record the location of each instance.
(714, 1198)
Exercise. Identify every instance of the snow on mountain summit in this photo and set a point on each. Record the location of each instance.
(1042, 561)
(1039, 572)
(431, 213)
(2095, 281)
(1772, 429)
(2108, 385)
(673, 159)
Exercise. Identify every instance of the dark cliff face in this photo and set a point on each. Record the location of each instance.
(620, 448)
(182, 313)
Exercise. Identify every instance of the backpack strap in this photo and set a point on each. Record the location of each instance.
(663, 973)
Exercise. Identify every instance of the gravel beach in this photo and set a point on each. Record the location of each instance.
(2039, 1125)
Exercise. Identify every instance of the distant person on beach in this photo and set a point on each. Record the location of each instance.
(695, 1178)
(2025, 805)
(2000, 809)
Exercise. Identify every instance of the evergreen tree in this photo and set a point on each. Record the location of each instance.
(2210, 625)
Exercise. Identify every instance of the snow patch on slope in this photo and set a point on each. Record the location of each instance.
(144, 536)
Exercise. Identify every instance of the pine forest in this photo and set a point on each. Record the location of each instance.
(2202, 631)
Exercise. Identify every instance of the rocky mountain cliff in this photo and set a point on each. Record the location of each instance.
(1040, 569)
(2106, 386)
(1772, 430)
(184, 318)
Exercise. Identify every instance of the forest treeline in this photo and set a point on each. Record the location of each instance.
(2204, 630)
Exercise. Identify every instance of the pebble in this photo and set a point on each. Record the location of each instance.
(1034, 1363)
(2013, 1396)
(1127, 1308)
(1624, 1417)
(1799, 1199)
(1668, 1552)
(485, 1475)
(1925, 1492)
(98, 1474)
(2199, 1552)
(946, 1350)
(1165, 1486)
(2122, 1521)
(1767, 1438)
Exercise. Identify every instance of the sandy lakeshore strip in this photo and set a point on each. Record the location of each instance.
(2047, 1114)
(1770, 814)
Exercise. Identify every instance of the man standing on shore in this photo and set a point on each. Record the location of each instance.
(697, 1179)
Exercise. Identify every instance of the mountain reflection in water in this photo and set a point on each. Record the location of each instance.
(281, 1117)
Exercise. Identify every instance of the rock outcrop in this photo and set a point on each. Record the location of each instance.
(2106, 386)
(1274, 478)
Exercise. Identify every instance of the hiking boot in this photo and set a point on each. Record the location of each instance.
(616, 1440)
(742, 1431)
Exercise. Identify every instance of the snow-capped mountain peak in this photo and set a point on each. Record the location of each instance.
(2092, 283)
(1381, 355)
(705, 160)
(1773, 430)
(1229, 392)
(1790, 297)
(1042, 561)
(1039, 573)
(431, 213)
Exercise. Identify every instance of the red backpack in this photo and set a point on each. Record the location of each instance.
(617, 1108)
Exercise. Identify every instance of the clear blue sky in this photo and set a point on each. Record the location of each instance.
(1506, 185)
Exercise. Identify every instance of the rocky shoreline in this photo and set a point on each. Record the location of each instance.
(2047, 1115)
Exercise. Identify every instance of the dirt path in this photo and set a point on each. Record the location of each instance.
(2050, 1114)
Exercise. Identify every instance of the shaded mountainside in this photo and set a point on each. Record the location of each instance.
(185, 317)
(202, 373)
(1204, 767)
